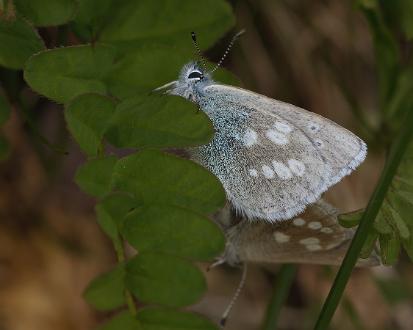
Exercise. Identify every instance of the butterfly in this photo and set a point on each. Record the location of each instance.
(313, 237)
(272, 158)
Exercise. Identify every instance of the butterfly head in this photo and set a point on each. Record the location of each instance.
(192, 79)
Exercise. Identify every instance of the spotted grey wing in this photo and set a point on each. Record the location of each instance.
(273, 158)
(314, 237)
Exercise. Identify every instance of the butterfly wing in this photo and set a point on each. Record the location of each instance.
(315, 237)
(273, 158)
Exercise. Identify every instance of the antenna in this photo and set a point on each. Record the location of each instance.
(227, 311)
(231, 43)
(198, 50)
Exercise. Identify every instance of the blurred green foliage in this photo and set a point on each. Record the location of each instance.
(391, 30)
(118, 52)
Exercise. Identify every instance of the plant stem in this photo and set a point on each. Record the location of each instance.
(284, 281)
(120, 252)
(396, 153)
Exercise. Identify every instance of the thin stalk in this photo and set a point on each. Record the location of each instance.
(120, 252)
(396, 153)
(282, 287)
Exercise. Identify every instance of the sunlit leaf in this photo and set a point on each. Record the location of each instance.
(47, 12)
(63, 73)
(174, 230)
(94, 177)
(106, 291)
(87, 117)
(18, 40)
(159, 121)
(153, 176)
(164, 279)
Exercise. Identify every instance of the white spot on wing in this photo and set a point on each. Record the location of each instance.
(326, 230)
(310, 241)
(253, 172)
(298, 222)
(276, 137)
(267, 171)
(250, 138)
(297, 167)
(282, 127)
(281, 237)
(313, 247)
(282, 171)
(314, 225)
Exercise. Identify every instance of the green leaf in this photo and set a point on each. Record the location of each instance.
(122, 321)
(369, 244)
(168, 21)
(164, 279)
(386, 50)
(63, 73)
(401, 227)
(383, 220)
(19, 41)
(4, 108)
(153, 176)
(168, 319)
(159, 121)
(47, 12)
(350, 219)
(144, 68)
(106, 291)
(87, 117)
(4, 148)
(112, 210)
(174, 230)
(94, 177)
(91, 16)
(389, 248)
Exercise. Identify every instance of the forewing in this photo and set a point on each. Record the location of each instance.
(272, 158)
(315, 237)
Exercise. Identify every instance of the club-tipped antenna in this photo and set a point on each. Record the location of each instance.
(198, 50)
(241, 284)
(231, 43)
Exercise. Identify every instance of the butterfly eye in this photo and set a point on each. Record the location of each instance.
(195, 75)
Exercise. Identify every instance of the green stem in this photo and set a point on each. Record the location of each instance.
(285, 279)
(396, 153)
(120, 252)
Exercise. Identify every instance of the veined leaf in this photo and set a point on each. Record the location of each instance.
(173, 230)
(106, 291)
(63, 73)
(47, 12)
(159, 121)
(87, 117)
(18, 40)
(156, 177)
(164, 279)
(94, 177)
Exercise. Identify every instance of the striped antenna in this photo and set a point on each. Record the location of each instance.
(231, 43)
(198, 50)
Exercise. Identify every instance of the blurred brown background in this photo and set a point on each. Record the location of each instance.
(317, 55)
